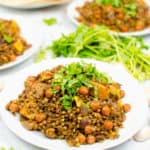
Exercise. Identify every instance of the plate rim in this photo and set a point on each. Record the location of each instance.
(71, 7)
(32, 6)
(20, 59)
(20, 136)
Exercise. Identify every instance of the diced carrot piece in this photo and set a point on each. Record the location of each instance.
(12, 57)
(103, 91)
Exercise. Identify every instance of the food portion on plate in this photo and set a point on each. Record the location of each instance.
(75, 102)
(117, 15)
(12, 44)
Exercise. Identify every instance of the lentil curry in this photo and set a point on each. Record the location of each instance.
(117, 15)
(75, 102)
(11, 43)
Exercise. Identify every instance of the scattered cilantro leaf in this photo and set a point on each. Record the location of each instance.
(41, 55)
(131, 9)
(50, 21)
(8, 38)
(2, 27)
(115, 3)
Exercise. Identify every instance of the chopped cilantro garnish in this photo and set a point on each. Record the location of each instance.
(115, 3)
(8, 38)
(41, 55)
(131, 9)
(75, 75)
(50, 21)
(2, 27)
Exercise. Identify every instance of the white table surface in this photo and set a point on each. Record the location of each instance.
(47, 34)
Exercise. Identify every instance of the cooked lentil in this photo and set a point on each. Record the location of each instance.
(90, 119)
(132, 15)
(11, 43)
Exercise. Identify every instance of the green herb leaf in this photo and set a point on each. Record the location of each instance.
(131, 9)
(8, 38)
(66, 102)
(115, 3)
(2, 27)
(50, 21)
(141, 43)
(99, 44)
(41, 55)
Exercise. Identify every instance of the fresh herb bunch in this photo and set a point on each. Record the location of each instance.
(99, 44)
(75, 75)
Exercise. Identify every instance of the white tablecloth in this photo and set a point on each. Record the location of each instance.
(45, 35)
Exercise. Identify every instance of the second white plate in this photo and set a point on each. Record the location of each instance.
(28, 33)
(31, 4)
(73, 14)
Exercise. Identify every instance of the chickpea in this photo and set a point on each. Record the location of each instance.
(81, 138)
(106, 110)
(94, 105)
(50, 133)
(108, 125)
(13, 107)
(28, 125)
(88, 129)
(126, 107)
(48, 93)
(91, 139)
(83, 90)
(40, 117)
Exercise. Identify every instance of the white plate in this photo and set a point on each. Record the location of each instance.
(73, 14)
(27, 32)
(136, 118)
(31, 5)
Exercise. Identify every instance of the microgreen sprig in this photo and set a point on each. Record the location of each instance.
(99, 44)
